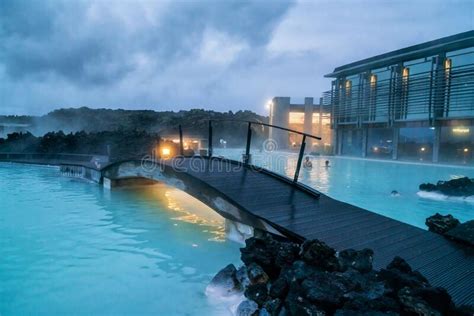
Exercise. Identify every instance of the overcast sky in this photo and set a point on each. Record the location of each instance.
(220, 55)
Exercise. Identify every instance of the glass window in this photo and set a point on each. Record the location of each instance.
(350, 99)
(379, 94)
(416, 143)
(380, 143)
(322, 127)
(352, 142)
(417, 78)
(457, 144)
(296, 118)
(459, 67)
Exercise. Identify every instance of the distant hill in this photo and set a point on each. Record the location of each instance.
(194, 122)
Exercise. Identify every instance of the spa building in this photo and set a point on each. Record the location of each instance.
(415, 103)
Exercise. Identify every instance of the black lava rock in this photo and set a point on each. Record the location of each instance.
(247, 308)
(463, 232)
(358, 260)
(318, 254)
(441, 223)
(286, 254)
(225, 282)
(326, 290)
(456, 187)
(261, 251)
(279, 281)
(257, 293)
(412, 303)
(399, 275)
(256, 274)
(279, 288)
(273, 307)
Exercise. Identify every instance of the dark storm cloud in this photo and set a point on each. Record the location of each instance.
(61, 38)
(219, 54)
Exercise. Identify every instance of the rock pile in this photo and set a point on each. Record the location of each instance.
(456, 187)
(451, 228)
(283, 278)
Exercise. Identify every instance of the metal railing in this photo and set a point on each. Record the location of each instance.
(246, 156)
(441, 93)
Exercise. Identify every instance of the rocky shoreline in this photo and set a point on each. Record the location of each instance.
(283, 278)
(461, 187)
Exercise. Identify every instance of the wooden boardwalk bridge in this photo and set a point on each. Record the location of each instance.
(299, 213)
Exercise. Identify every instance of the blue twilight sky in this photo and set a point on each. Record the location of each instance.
(215, 54)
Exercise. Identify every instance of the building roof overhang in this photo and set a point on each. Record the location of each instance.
(453, 42)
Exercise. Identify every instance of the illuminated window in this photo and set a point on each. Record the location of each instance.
(296, 118)
(405, 73)
(373, 80)
(447, 65)
(348, 87)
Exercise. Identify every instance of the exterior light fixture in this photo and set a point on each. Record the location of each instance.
(422, 148)
(466, 150)
(269, 104)
(461, 130)
(165, 152)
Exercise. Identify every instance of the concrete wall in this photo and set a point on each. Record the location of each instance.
(279, 116)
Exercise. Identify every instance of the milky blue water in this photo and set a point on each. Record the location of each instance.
(70, 247)
(369, 183)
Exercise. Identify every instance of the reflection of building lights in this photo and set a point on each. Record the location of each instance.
(461, 130)
(432, 128)
(166, 151)
(466, 150)
(422, 148)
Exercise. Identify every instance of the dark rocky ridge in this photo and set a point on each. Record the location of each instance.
(456, 187)
(282, 278)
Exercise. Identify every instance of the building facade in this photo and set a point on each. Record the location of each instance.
(416, 103)
(310, 118)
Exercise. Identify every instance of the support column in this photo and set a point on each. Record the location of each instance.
(364, 142)
(339, 141)
(395, 143)
(308, 115)
(280, 116)
(436, 143)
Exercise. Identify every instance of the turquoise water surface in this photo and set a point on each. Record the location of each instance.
(71, 247)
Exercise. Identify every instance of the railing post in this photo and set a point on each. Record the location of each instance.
(181, 147)
(209, 150)
(247, 148)
(300, 159)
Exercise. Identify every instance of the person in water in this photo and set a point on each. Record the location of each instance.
(307, 163)
(326, 163)
(395, 193)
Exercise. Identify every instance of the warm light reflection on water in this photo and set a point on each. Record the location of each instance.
(185, 208)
